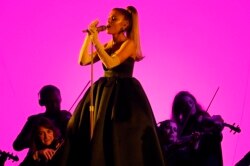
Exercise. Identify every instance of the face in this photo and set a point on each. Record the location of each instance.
(46, 135)
(116, 22)
(53, 102)
(189, 105)
(170, 132)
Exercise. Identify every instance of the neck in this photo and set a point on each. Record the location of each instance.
(119, 38)
(52, 112)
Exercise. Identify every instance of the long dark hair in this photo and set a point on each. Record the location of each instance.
(178, 106)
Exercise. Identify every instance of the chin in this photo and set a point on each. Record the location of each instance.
(48, 143)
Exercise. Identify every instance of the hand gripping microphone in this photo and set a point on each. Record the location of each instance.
(99, 29)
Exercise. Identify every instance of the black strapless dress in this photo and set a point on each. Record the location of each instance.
(125, 127)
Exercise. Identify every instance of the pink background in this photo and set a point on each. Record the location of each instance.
(195, 45)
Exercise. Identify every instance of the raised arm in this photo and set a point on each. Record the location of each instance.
(110, 61)
(126, 50)
(85, 56)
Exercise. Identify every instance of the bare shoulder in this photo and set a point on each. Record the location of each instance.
(129, 42)
(130, 47)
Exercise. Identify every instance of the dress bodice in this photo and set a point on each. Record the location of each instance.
(123, 69)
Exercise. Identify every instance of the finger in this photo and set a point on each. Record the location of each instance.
(93, 24)
(46, 155)
(49, 154)
(92, 30)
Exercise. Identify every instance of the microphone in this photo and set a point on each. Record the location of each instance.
(99, 29)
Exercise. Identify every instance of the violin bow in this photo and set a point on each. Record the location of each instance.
(234, 128)
(212, 99)
(185, 123)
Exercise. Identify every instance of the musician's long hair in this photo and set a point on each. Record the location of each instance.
(179, 106)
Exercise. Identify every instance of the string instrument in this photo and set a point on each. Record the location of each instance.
(232, 127)
(193, 139)
(58, 146)
(43, 160)
(209, 121)
(6, 155)
(196, 135)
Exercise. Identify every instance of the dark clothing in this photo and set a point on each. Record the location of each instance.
(209, 152)
(179, 153)
(24, 139)
(245, 161)
(55, 161)
(125, 128)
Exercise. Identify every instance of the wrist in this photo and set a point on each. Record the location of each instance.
(96, 41)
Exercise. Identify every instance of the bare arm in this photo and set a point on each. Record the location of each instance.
(126, 50)
(85, 56)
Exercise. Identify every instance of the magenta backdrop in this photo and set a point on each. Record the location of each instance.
(192, 45)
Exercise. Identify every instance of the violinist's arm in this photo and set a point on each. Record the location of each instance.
(218, 121)
(45, 153)
(213, 127)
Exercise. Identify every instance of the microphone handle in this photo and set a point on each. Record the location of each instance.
(99, 29)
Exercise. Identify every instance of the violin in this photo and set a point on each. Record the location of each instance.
(232, 127)
(193, 139)
(44, 155)
(218, 122)
(6, 155)
(58, 146)
(210, 125)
